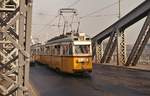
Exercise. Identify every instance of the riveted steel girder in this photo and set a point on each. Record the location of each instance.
(98, 51)
(121, 48)
(132, 17)
(109, 48)
(140, 43)
(15, 33)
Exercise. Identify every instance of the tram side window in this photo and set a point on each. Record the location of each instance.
(57, 49)
(41, 51)
(70, 49)
(44, 51)
(38, 51)
(82, 49)
(34, 51)
(64, 49)
(53, 50)
(47, 51)
(50, 50)
(67, 49)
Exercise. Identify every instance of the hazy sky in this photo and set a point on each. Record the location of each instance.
(45, 10)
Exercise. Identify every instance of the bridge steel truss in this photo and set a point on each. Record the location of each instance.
(116, 35)
(15, 33)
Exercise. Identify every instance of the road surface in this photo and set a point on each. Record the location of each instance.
(103, 81)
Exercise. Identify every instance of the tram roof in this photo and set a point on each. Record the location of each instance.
(68, 37)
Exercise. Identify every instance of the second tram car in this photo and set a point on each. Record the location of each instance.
(71, 53)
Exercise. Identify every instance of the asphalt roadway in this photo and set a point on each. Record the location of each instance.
(103, 81)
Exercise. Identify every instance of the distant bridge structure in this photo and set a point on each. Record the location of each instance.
(116, 35)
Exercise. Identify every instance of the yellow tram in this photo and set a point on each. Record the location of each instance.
(71, 53)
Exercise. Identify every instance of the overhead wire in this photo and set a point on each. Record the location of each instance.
(104, 15)
(87, 15)
(101, 15)
(99, 10)
(42, 15)
(74, 3)
(48, 24)
(44, 25)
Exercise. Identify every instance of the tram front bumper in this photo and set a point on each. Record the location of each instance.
(81, 70)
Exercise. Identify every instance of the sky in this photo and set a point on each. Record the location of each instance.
(106, 13)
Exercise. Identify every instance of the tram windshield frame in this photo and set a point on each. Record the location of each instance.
(82, 49)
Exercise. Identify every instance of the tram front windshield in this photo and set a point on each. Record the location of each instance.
(82, 49)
